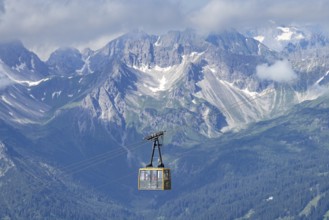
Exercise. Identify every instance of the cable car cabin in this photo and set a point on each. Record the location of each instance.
(154, 178)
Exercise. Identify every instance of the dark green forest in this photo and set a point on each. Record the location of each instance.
(275, 169)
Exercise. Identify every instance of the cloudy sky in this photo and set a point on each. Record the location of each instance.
(44, 25)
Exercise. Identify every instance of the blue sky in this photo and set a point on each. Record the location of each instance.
(44, 25)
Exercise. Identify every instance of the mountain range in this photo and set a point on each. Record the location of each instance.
(244, 114)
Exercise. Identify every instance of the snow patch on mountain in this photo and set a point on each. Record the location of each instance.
(3, 98)
(158, 42)
(32, 83)
(288, 34)
(259, 38)
(10, 76)
(56, 94)
(20, 67)
(322, 78)
(86, 67)
(163, 82)
(277, 37)
(158, 79)
(312, 93)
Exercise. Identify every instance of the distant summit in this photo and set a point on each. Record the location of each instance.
(65, 61)
(26, 64)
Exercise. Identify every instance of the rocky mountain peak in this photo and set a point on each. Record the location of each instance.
(16, 56)
(65, 61)
(23, 61)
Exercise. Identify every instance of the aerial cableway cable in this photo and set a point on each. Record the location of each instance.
(84, 164)
(180, 155)
(47, 183)
(79, 166)
(97, 159)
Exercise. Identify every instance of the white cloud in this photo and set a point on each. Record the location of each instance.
(2, 6)
(4, 80)
(280, 71)
(217, 14)
(46, 24)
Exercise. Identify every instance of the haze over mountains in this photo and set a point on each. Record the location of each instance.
(239, 109)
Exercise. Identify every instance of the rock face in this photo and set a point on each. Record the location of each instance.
(5, 162)
(86, 108)
(176, 72)
(65, 61)
(24, 64)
